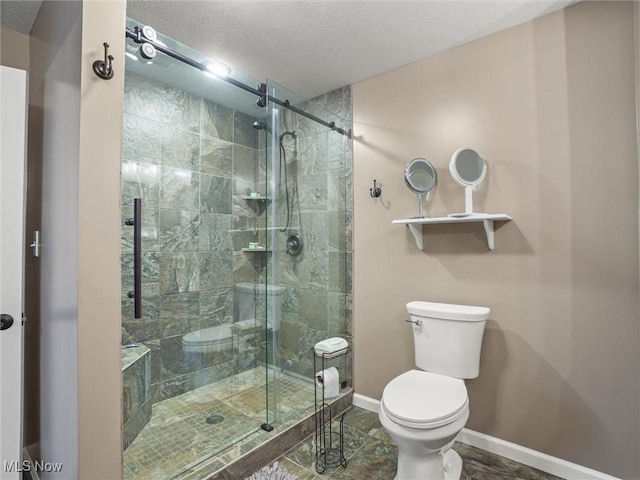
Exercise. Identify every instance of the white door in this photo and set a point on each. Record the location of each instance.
(13, 106)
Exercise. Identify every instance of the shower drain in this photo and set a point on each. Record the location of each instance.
(214, 419)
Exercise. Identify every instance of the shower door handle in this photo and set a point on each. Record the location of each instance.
(136, 222)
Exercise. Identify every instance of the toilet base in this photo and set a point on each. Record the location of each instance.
(452, 466)
(426, 454)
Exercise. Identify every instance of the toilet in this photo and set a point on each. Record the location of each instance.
(207, 346)
(203, 347)
(250, 303)
(424, 410)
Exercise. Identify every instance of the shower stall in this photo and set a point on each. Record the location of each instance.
(242, 252)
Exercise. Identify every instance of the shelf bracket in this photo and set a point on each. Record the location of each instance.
(488, 229)
(416, 231)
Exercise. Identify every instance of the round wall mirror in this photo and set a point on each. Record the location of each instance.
(468, 168)
(421, 177)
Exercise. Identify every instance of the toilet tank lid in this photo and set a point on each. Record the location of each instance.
(448, 311)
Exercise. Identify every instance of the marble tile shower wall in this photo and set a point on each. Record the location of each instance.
(189, 160)
(318, 302)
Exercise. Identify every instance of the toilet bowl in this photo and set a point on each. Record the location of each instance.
(210, 345)
(252, 303)
(424, 410)
(423, 413)
(208, 340)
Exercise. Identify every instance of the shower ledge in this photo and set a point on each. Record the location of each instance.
(254, 230)
(415, 224)
(256, 250)
(261, 198)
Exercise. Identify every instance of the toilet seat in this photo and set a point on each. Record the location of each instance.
(209, 339)
(423, 400)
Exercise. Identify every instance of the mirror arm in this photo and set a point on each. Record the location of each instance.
(468, 199)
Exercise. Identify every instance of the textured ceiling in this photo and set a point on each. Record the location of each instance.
(19, 15)
(314, 46)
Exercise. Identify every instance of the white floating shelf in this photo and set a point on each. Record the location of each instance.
(487, 219)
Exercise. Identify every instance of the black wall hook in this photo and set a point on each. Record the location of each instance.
(104, 68)
(376, 191)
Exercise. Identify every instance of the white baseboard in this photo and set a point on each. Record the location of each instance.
(533, 458)
(366, 403)
(526, 456)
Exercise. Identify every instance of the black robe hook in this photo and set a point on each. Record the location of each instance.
(376, 191)
(104, 68)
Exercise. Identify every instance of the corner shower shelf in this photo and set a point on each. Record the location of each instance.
(255, 250)
(487, 219)
(252, 230)
(255, 199)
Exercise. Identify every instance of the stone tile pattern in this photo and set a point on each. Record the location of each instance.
(260, 449)
(191, 160)
(371, 454)
(178, 437)
(318, 300)
(136, 399)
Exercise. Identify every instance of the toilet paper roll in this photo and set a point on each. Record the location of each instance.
(329, 380)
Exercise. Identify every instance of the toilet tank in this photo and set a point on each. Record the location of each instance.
(252, 301)
(449, 339)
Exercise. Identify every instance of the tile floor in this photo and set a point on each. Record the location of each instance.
(179, 436)
(372, 455)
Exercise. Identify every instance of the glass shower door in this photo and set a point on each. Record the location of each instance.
(193, 377)
(244, 262)
(306, 282)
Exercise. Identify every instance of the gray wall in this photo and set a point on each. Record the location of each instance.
(551, 106)
(14, 49)
(57, 86)
(80, 378)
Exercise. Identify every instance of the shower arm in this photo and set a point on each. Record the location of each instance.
(138, 36)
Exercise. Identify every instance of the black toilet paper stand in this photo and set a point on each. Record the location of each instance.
(329, 438)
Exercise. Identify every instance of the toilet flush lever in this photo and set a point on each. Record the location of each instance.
(417, 322)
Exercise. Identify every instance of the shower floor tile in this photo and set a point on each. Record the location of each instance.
(185, 429)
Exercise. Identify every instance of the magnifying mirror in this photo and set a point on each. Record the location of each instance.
(468, 168)
(421, 177)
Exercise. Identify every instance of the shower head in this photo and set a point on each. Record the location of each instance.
(260, 125)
